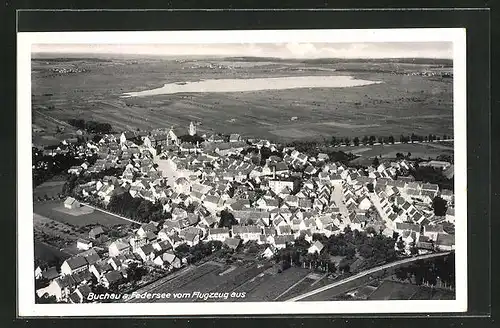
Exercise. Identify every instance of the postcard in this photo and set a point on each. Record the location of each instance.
(242, 172)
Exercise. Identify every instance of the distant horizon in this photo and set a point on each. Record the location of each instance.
(295, 51)
(159, 56)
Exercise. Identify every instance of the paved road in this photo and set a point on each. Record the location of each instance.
(365, 273)
(113, 214)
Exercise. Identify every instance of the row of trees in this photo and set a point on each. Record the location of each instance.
(199, 251)
(137, 208)
(429, 174)
(91, 126)
(370, 140)
(442, 268)
(50, 166)
(374, 248)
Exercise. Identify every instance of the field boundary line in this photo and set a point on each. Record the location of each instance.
(113, 214)
(291, 287)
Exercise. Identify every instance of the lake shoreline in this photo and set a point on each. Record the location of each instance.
(256, 84)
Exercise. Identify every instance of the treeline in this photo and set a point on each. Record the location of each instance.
(91, 126)
(313, 148)
(430, 271)
(137, 208)
(374, 248)
(199, 251)
(429, 174)
(191, 139)
(370, 140)
(53, 165)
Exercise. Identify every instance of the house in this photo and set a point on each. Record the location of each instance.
(445, 242)
(146, 252)
(179, 214)
(278, 185)
(220, 234)
(191, 238)
(365, 204)
(112, 278)
(162, 246)
(232, 243)
(80, 294)
(317, 247)
(99, 269)
(247, 233)
(38, 272)
(83, 244)
(432, 231)
(450, 214)
(425, 243)
(71, 203)
(96, 232)
(60, 287)
(281, 241)
(268, 253)
(234, 137)
(73, 265)
(50, 274)
(118, 247)
(146, 229)
(168, 260)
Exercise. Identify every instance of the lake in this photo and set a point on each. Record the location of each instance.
(257, 84)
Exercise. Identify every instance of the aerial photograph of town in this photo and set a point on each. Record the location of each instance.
(273, 172)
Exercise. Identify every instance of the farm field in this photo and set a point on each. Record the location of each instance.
(392, 290)
(56, 211)
(259, 281)
(417, 150)
(48, 253)
(50, 188)
(399, 105)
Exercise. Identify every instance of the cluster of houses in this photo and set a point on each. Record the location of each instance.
(289, 196)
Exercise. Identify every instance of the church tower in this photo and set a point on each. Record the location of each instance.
(192, 129)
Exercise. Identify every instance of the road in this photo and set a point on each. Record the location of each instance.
(365, 273)
(113, 214)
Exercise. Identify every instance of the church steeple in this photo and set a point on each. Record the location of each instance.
(192, 129)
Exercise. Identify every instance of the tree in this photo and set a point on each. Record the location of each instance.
(356, 141)
(370, 187)
(380, 140)
(391, 139)
(333, 140)
(439, 205)
(348, 141)
(408, 155)
(364, 140)
(371, 140)
(413, 248)
(375, 162)
(227, 219)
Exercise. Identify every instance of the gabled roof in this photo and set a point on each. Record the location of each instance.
(232, 243)
(76, 262)
(445, 239)
(113, 276)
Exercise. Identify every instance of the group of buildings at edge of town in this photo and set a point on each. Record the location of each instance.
(299, 195)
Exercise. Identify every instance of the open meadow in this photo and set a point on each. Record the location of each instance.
(78, 217)
(400, 104)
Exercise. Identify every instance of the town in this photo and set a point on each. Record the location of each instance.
(191, 198)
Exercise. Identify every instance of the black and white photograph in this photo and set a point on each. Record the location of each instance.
(245, 172)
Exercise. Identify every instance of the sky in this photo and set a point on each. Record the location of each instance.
(279, 50)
